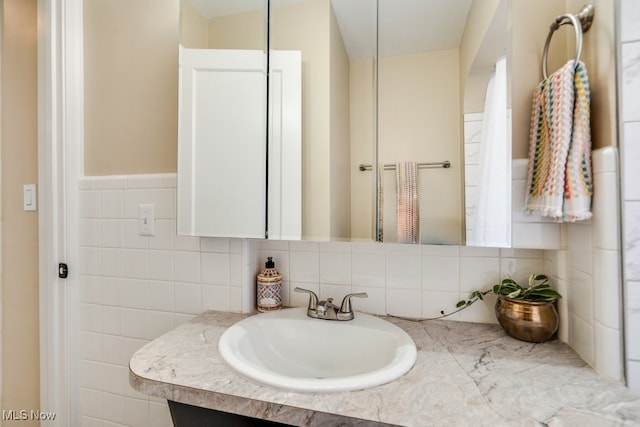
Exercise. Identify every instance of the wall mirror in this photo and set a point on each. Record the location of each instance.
(381, 83)
(487, 135)
(419, 120)
(222, 118)
(337, 41)
(240, 142)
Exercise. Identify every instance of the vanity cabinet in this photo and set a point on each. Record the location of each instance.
(184, 415)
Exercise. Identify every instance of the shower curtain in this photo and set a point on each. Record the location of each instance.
(491, 220)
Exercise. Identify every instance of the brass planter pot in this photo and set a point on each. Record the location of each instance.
(526, 320)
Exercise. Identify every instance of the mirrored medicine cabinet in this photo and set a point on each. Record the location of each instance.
(285, 145)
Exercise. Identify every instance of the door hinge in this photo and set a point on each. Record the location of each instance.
(63, 270)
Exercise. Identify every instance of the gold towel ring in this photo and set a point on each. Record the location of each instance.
(581, 23)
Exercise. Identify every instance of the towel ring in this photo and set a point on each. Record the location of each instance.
(581, 23)
(561, 20)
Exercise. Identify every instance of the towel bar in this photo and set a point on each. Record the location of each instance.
(446, 164)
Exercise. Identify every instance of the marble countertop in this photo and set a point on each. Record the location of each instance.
(466, 374)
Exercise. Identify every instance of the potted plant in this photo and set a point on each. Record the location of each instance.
(526, 313)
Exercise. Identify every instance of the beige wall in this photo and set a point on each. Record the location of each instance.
(20, 333)
(530, 25)
(194, 32)
(362, 137)
(340, 173)
(305, 26)
(475, 90)
(599, 56)
(131, 86)
(239, 31)
(485, 40)
(478, 22)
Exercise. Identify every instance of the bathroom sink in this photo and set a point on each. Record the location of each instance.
(288, 350)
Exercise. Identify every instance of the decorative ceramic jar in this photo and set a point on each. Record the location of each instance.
(527, 320)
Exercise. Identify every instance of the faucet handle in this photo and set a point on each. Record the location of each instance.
(345, 307)
(313, 300)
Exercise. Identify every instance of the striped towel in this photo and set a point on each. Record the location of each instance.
(407, 218)
(559, 179)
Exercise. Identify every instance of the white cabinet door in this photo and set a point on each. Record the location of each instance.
(222, 143)
(284, 210)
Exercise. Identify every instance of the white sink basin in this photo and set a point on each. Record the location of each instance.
(288, 350)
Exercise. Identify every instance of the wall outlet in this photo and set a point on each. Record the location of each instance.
(146, 220)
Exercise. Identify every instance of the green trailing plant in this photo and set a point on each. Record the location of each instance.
(539, 290)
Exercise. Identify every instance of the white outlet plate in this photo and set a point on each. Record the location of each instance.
(146, 220)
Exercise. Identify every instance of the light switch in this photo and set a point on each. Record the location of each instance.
(30, 198)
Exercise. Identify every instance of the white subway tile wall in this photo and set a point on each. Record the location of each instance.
(404, 280)
(629, 87)
(587, 272)
(472, 139)
(529, 230)
(134, 288)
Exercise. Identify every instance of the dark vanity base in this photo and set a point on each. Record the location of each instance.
(184, 415)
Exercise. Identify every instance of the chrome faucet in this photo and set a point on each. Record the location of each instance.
(326, 309)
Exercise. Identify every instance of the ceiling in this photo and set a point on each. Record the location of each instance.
(406, 26)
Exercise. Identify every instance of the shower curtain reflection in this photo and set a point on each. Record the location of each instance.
(491, 224)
